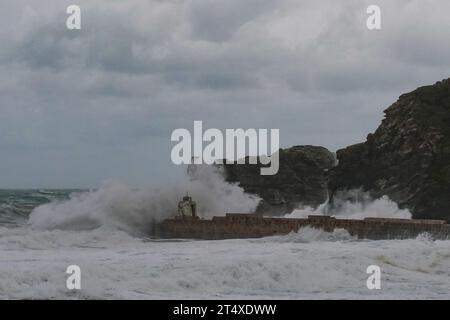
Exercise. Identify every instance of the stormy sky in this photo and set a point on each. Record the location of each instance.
(78, 107)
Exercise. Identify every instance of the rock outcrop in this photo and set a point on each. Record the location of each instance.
(408, 156)
(300, 181)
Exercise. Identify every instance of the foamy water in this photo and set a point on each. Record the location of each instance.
(118, 206)
(104, 232)
(309, 265)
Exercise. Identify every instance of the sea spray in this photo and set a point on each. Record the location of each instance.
(120, 207)
(364, 206)
(311, 264)
(117, 206)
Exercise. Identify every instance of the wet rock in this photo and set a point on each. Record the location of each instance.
(407, 158)
(300, 181)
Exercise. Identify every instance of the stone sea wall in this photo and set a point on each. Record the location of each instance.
(235, 226)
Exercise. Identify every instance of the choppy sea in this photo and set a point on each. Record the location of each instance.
(42, 232)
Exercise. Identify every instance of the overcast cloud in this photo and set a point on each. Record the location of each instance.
(79, 107)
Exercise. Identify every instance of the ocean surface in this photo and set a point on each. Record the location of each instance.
(42, 232)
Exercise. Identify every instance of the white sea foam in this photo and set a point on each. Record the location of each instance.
(97, 231)
(117, 206)
(308, 234)
(364, 207)
(117, 265)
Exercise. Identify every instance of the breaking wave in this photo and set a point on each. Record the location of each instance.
(118, 206)
(297, 266)
(355, 204)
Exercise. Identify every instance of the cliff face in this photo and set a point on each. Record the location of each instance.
(408, 156)
(301, 179)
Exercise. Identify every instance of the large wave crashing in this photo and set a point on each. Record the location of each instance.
(364, 206)
(118, 206)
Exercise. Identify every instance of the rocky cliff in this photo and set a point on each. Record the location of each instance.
(408, 156)
(301, 179)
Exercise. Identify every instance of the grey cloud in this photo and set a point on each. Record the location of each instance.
(112, 92)
(218, 21)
